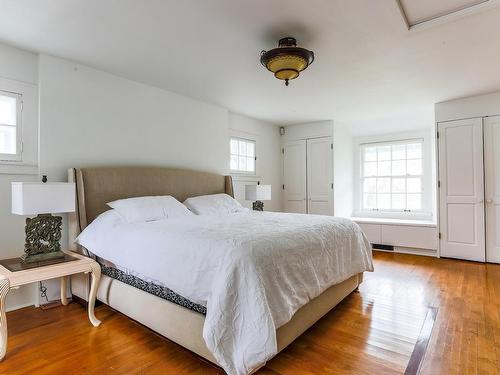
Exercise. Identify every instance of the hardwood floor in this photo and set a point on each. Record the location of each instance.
(371, 332)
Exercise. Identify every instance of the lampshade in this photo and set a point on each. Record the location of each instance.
(258, 192)
(33, 198)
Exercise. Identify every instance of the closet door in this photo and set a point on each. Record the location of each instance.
(320, 176)
(461, 175)
(294, 169)
(492, 187)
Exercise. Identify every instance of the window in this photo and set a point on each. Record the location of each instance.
(391, 176)
(242, 155)
(10, 126)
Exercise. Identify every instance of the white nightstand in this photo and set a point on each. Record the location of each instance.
(14, 279)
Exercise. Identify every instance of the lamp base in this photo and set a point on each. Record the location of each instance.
(258, 206)
(43, 234)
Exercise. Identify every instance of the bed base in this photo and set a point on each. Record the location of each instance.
(185, 327)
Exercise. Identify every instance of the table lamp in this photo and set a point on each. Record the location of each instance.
(258, 193)
(43, 232)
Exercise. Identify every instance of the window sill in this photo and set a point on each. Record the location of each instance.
(244, 177)
(18, 168)
(407, 222)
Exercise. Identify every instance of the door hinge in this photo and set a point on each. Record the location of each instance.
(439, 235)
(332, 185)
(331, 146)
(283, 186)
(22, 147)
(22, 105)
(255, 158)
(439, 184)
(283, 150)
(437, 135)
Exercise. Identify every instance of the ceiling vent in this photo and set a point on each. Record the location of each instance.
(427, 12)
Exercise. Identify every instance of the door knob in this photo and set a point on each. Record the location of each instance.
(489, 201)
(480, 201)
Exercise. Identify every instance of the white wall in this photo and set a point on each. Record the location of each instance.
(89, 117)
(473, 106)
(308, 130)
(268, 158)
(21, 66)
(342, 170)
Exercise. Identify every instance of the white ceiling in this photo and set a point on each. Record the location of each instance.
(368, 66)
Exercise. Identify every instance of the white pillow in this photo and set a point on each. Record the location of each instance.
(95, 233)
(141, 209)
(214, 204)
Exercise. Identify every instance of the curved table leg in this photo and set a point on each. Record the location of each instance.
(64, 288)
(95, 277)
(4, 289)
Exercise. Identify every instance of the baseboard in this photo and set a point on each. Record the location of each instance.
(408, 250)
(17, 307)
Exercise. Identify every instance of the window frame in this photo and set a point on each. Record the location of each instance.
(18, 156)
(362, 176)
(429, 184)
(247, 140)
(27, 164)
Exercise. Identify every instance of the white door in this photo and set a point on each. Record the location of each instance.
(320, 176)
(492, 187)
(294, 169)
(461, 194)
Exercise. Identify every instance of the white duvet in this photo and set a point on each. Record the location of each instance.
(252, 270)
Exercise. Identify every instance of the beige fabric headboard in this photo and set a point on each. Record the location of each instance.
(97, 186)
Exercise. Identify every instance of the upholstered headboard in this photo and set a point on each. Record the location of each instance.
(97, 186)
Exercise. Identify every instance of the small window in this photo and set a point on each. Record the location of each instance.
(10, 126)
(242, 155)
(391, 176)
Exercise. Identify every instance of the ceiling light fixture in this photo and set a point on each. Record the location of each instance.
(288, 60)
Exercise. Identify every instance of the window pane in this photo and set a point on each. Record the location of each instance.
(250, 165)
(370, 169)
(369, 201)
(370, 185)
(243, 148)
(242, 163)
(370, 154)
(234, 163)
(398, 152)
(7, 140)
(384, 168)
(414, 201)
(384, 153)
(398, 201)
(251, 149)
(383, 201)
(414, 151)
(398, 185)
(8, 110)
(234, 146)
(384, 185)
(414, 185)
(399, 168)
(392, 175)
(414, 167)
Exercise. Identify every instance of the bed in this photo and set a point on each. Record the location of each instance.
(175, 317)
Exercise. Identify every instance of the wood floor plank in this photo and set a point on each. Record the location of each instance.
(373, 331)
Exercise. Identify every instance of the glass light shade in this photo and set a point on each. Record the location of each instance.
(287, 66)
(288, 60)
(33, 198)
(258, 192)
